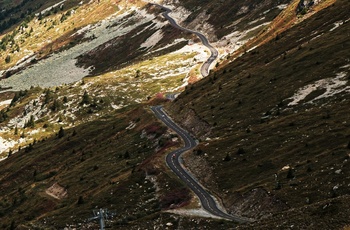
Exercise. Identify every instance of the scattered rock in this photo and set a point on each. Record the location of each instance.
(285, 168)
(255, 203)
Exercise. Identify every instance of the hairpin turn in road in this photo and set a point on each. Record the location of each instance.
(173, 161)
(213, 52)
(173, 158)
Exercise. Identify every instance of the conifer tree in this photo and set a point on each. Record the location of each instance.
(61, 132)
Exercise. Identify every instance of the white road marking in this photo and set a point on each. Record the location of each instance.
(205, 198)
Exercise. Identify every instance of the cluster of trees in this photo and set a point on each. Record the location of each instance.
(3, 115)
(8, 39)
(30, 123)
(8, 18)
(18, 95)
(14, 15)
(303, 6)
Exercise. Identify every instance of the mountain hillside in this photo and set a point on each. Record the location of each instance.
(77, 79)
(16, 12)
(278, 126)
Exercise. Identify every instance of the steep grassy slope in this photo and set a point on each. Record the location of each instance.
(227, 16)
(51, 182)
(273, 125)
(92, 39)
(40, 30)
(277, 121)
(294, 13)
(133, 46)
(59, 180)
(14, 12)
(68, 106)
(136, 44)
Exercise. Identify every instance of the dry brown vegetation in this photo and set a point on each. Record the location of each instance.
(255, 133)
(285, 165)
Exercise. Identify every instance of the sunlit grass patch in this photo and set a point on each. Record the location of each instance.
(65, 106)
(145, 79)
(51, 31)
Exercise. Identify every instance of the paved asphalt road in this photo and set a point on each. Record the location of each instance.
(173, 161)
(213, 52)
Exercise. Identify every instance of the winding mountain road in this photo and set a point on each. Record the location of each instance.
(173, 160)
(205, 68)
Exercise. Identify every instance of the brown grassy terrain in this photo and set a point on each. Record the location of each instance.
(255, 133)
(286, 165)
(97, 164)
(227, 16)
(18, 11)
(282, 22)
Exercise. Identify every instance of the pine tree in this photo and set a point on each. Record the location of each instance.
(8, 59)
(65, 99)
(48, 96)
(56, 105)
(227, 158)
(80, 200)
(126, 155)
(61, 132)
(15, 99)
(13, 225)
(290, 174)
(86, 99)
(31, 122)
(240, 151)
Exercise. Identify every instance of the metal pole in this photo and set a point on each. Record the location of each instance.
(102, 222)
